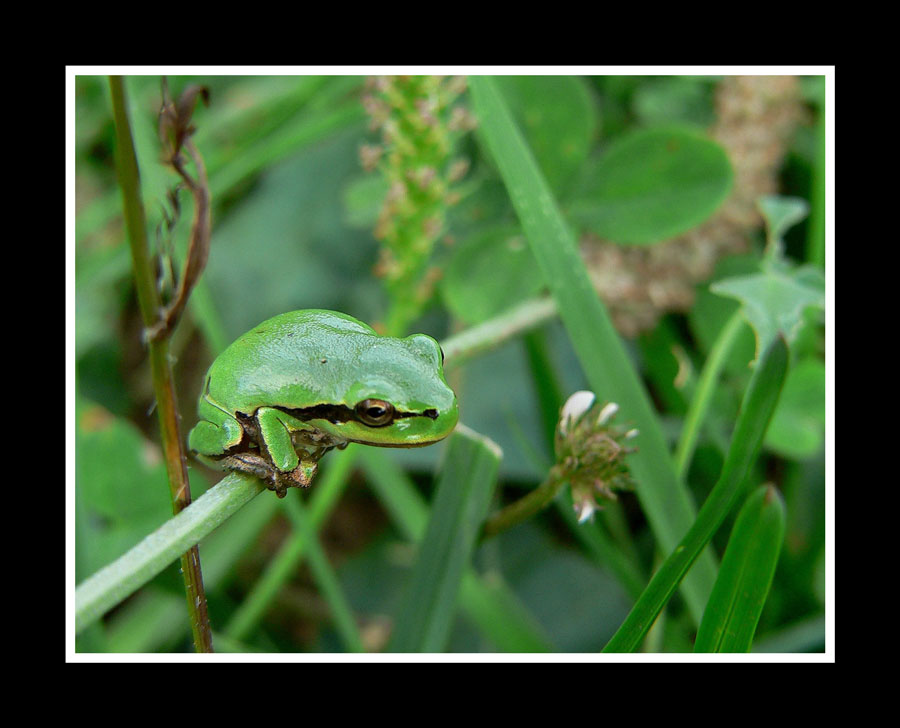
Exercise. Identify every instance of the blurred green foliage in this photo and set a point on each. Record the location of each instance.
(628, 158)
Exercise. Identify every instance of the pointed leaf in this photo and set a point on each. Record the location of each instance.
(745, 576)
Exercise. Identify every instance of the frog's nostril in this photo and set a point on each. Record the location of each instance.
(432, 413)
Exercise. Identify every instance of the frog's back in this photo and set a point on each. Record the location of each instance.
(295, 357)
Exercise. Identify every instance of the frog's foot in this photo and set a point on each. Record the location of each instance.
(255, 464)
(250, 463)
(299, 477)
(303, 474)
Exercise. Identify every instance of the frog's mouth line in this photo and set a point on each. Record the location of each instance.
(338, 414)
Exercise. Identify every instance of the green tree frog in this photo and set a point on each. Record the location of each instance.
(304, 382)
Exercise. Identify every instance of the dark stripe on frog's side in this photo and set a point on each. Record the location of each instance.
(250, 439)
(337, 413)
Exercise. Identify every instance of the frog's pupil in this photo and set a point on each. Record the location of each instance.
(375, 412)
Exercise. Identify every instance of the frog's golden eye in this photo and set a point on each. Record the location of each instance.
(375, 412)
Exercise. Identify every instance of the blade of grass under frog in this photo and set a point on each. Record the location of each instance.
(154, 620)
(110, 585)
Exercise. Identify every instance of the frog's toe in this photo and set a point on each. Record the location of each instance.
(304, 473)
(209, 438)
(206, 439)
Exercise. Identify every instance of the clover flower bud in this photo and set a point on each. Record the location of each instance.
(591, 452)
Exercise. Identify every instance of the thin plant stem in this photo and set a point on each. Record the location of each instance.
(163, 384)
(704, 391)
(524, 508)
(815, 241)
(104, 589)
(495, 331)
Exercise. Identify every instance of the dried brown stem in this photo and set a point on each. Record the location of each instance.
(163, 384)
(175, 130)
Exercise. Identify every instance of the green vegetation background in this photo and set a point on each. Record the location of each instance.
(293, 214)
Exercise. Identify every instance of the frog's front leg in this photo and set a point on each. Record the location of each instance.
(275, 428)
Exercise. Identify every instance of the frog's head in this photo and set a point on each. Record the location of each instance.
(399, 397)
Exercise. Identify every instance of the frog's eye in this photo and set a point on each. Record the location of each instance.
(375, 412)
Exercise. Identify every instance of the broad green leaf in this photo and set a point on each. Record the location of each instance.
(798, 427)
(286, 246)
(745, 575)
(489, 273)
(122, 485)
(457, 513)
(558, 118)
(775, 301)
(776, 298)
(675, 99)
(652, 185)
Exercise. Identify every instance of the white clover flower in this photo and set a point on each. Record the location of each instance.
(584, 510)
(590, 452)
(607, 412)
(574, 409)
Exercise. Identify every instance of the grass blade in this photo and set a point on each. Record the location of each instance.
(154, 620)
(460, 505)
(759, 403)
(481, 601)
(703, 393)
(103, 590)
(745, 576)
(664, 499)
(325, 576)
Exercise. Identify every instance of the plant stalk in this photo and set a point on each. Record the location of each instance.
(492, 333)
(525, 507)
(704, 391)
(163, 384)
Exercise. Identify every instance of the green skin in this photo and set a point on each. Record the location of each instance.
(304, 382)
